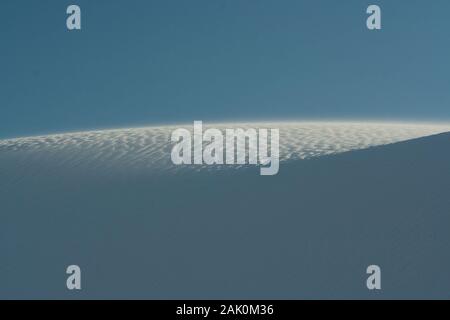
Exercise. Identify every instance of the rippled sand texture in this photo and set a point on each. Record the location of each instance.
(149, 148)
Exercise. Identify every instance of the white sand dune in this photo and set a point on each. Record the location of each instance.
(307, 233)
(149, 147)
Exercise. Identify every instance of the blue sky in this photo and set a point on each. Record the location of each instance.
(141, 62)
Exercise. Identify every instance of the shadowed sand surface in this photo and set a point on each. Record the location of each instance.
(308, 232)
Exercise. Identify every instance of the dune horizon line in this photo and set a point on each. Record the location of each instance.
(241, 122)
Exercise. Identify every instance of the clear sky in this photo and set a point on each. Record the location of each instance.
(138, 62)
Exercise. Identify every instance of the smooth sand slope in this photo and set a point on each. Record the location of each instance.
(308, 232)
